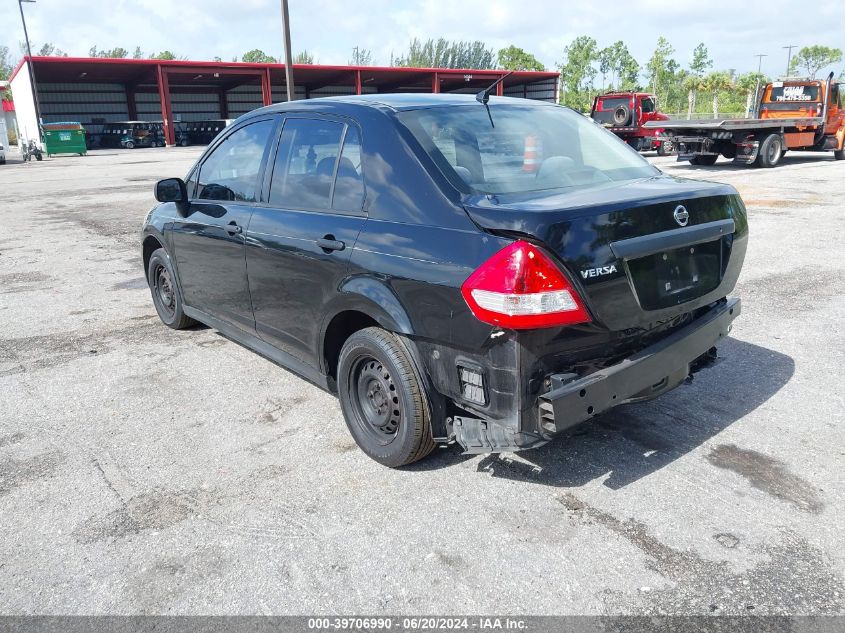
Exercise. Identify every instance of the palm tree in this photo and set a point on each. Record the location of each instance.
(692, 84)
(748, 84)
(714, 83)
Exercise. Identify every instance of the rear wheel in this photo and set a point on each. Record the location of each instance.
(664, 148)
(706, 160)
(771, 151)
(166, 296)
(840, 153)
(383, 399)
(129, 145)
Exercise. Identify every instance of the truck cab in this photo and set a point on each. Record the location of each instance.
(790, 99)
(626, 113)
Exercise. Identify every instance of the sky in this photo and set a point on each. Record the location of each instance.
(734, 31)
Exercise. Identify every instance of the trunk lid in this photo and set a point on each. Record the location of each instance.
(636, 265)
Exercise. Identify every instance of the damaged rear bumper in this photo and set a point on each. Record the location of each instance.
(573, 399)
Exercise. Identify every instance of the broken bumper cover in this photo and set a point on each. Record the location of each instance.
(642, 376)
(648, 373)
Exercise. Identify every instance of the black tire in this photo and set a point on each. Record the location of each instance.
(664, 148)
(707, 160)
(167, 298)
(771, 151)
(39, 157)
(129, 145)
(839, 154)
(183, 142)
(622, 115)
(383, 399)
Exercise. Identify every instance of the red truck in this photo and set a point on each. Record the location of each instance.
(626, 113)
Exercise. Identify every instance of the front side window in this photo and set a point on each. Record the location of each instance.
(304, 169)
(525, 148)
(648, 105)
(232, 170)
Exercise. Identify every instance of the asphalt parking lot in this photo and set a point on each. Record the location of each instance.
(144, 470)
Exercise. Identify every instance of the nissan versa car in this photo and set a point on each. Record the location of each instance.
(489, 271)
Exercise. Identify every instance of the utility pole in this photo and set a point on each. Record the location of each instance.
(288, 54)
(789, 56)
(759, 57)
(31, 72)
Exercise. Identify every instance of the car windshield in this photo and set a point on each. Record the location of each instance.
(525, 148)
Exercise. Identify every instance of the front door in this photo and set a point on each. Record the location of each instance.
(208, 242)
(298, 246)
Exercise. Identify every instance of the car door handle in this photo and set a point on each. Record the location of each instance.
(233, 228)
(328, 243)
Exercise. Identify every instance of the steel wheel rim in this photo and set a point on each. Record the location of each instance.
(774, 151)
(164, 291)
(375, 400)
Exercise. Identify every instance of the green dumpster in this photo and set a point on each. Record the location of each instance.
(65, 138)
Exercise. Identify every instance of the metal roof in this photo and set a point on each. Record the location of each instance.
(401, 101)
(228, 74)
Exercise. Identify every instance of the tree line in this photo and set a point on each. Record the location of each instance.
(677, 88)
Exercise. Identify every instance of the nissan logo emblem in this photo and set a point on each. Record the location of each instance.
(681, 215)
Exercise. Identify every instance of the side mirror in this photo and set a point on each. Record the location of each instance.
(171, 190)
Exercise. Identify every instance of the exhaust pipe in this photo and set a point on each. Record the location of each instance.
(820, 133)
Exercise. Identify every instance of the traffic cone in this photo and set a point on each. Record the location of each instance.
(533, 154)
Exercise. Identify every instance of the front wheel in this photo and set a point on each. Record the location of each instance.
(383, 399)
(840, 153)
(129, 145)
(771, 151)
(664, 148)
(166, 296)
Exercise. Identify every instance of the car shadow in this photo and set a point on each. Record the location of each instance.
(633, 441)
(729, 165)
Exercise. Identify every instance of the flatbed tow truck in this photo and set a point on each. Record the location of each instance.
(797, 114)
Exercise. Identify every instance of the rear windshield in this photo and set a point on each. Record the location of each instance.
(525, 148)
(780, 94)
(611, 103)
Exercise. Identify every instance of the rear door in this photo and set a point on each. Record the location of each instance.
(208, 241)
(299, 243)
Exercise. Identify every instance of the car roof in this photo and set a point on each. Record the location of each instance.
(399, 101)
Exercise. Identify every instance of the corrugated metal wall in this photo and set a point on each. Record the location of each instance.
(96, 104)
(90, 104)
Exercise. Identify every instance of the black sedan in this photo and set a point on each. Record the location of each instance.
(489, 272)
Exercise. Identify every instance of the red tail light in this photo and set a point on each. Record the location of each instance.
(520, 288)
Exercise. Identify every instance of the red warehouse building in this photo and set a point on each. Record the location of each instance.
(98, 91)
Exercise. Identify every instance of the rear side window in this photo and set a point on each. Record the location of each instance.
(231, 171)
(318, 166)
(791, 94)
(349, 185)
(611, 103)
